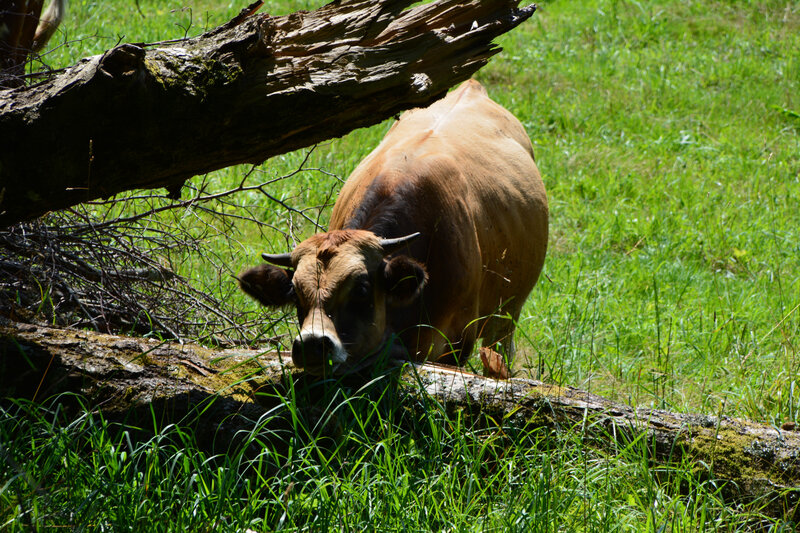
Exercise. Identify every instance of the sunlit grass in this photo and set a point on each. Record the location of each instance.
(668, 136)
(672, 168)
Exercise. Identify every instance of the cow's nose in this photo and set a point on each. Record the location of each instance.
(312, 351)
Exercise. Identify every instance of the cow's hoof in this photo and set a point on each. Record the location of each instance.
(494, 365)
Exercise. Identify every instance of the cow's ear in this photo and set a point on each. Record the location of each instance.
(270, 285)
(405, 279)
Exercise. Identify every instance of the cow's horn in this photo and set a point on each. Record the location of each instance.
(284, 260)
(390, 245)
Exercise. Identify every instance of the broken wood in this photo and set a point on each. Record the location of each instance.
(151, 116)
(49, 22)
(234, 388)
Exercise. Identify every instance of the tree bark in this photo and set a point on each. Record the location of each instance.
(231, 389)
(150, 116)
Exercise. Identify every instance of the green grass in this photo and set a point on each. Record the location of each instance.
(668, 136)
(384, 469)
(674, 173)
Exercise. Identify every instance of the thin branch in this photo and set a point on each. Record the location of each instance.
(101, 268)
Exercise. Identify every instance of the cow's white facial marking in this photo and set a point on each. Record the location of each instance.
(317, 347)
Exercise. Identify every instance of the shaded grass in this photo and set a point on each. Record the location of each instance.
(384, 468)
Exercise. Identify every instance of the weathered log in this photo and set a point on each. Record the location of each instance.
(150, 116)
(231, 389)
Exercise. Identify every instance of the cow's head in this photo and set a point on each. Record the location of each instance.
(343, 283)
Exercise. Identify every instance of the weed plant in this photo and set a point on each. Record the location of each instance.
(668, 136)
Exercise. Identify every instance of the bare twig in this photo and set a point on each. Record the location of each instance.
(167, 269)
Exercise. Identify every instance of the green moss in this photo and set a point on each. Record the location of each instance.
(155, 71)
(731, 455)
(191, 71)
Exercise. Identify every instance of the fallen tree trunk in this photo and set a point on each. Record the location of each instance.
(231, 388)
(150, 116)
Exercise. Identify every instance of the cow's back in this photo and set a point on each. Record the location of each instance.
(462, 173)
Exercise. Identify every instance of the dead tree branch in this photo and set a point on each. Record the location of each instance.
(142, 116)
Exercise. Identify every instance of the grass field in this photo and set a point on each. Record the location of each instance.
(668, 136)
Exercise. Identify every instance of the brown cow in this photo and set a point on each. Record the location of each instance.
(436, 239)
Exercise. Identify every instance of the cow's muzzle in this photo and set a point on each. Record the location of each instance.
(318, 354)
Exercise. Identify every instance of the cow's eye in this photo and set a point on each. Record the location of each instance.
(362, 290)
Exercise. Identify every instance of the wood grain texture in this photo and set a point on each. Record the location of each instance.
(142, 116)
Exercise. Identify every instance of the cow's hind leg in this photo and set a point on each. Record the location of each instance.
(456, 354)
(497, 333)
